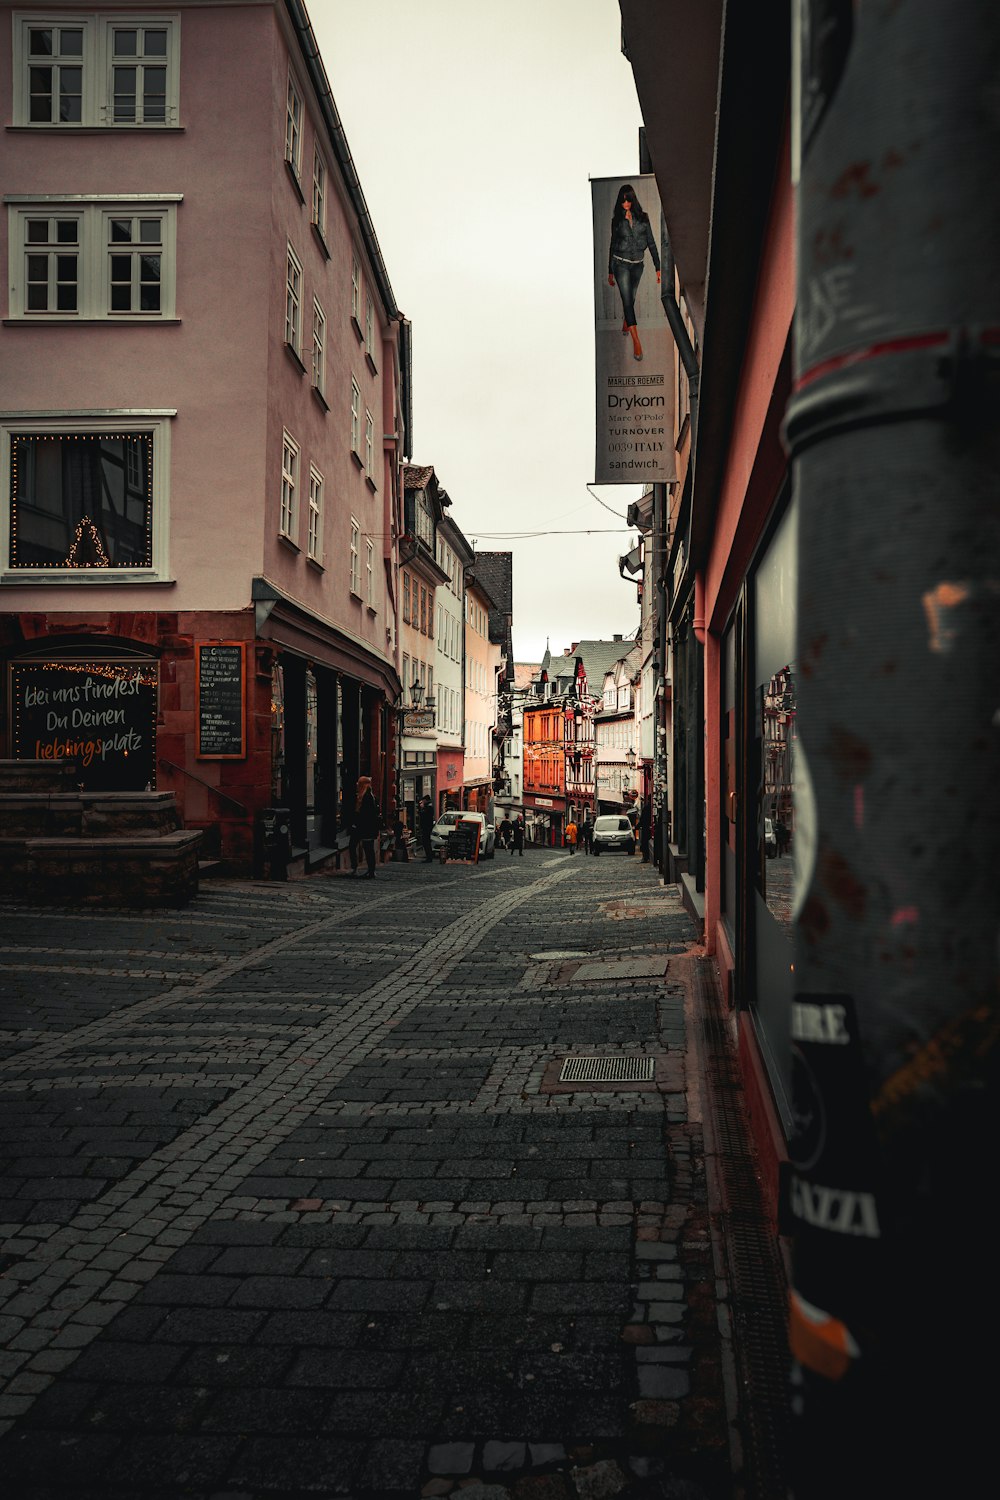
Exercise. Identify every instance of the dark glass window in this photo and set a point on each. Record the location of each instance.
(81, 500)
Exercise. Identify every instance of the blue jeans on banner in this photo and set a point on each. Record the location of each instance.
(628, 274)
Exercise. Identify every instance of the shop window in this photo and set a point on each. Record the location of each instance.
(85, 497)
(773, 834)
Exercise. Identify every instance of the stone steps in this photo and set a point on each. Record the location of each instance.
(137, 871)
(86, 814)
(60, 845)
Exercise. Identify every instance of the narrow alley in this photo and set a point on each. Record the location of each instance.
(297, 1199)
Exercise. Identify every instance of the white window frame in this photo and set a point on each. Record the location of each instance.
(355, 417)
(355, 575)
(370, 573)
(156, 423)
(314, 543)
(319, 192)
(355, 290)
(294, 115)
(293, 302)
(369, 445)
(289, 498)
(97, 63)
(93, 249)
(319, 348)
(370, 328)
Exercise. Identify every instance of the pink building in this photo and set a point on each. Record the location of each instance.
(483, 665)
(204, 399)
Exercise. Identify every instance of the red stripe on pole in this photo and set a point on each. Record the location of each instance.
(875, 351)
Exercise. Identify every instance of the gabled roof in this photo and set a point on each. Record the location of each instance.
(417, 476)
(524, 674)
(496, 569)
(599, 657)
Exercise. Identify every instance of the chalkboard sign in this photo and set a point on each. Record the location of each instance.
(221, 668)
(100, 714)
(463, 840)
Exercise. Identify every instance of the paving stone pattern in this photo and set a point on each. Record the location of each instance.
(285, 1210)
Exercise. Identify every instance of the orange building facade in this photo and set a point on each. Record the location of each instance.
(545, 768)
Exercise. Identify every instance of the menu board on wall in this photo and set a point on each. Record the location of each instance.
(100, 714)
(221, 687)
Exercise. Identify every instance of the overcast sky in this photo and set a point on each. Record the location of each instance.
(475, 128)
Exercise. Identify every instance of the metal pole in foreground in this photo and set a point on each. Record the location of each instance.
(894, 431)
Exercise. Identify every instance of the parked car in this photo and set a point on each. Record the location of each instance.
(442, 828)
(770, 839)
(446, 825)
(613, 831)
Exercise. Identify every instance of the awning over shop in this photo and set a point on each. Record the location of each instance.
(291, 628)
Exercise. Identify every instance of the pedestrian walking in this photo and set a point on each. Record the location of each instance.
(506, 833)
(426, 824)
(364, 826)
(571, 836)
(645, 829)
(588, 836)
(518, 843)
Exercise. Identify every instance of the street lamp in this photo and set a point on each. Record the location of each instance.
(630, 759)
(416, 692)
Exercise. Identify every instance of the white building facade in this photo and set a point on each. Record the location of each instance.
(454, 555)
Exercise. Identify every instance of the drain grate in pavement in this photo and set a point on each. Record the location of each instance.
(622, 1069)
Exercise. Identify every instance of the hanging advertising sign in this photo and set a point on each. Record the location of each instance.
(633, 347)
(102, 715)
(418, 720)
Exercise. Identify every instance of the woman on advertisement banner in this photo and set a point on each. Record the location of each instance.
(631, 237)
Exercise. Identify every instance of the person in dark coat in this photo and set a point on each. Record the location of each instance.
(645, 829)
(506, 833)
(588, 835)
(426, 824)
(518, 843)
(364, 826)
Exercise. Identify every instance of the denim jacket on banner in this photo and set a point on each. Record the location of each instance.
(630, 241)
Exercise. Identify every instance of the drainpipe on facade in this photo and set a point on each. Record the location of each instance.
(894, 433)
(689, 359)
(698, 618)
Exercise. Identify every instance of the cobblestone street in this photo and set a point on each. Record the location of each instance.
(295, 1202)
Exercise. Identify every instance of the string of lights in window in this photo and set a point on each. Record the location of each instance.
(111, 671)
(86, 526)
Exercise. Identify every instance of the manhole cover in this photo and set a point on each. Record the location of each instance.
(554, 953)
(622, 1069)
